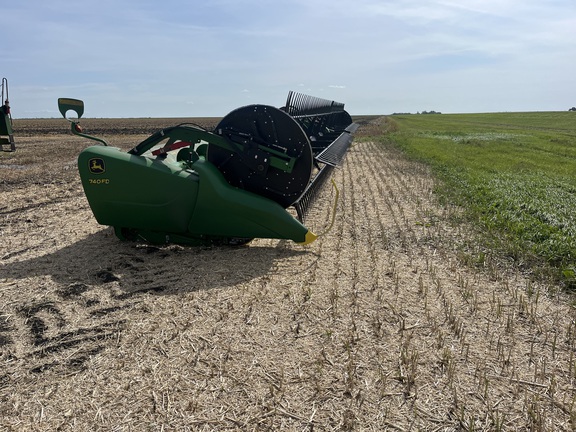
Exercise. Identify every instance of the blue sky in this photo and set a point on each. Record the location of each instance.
(176, 58)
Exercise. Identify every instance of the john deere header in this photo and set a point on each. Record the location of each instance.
(188, 185)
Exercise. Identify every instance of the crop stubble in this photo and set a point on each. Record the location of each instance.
(375, 326)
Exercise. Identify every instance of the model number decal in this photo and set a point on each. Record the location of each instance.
(99, 181)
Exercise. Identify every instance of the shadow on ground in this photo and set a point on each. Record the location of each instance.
(101, 258)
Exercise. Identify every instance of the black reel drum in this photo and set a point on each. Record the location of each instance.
(263, 137)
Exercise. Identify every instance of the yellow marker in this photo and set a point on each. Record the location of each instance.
(310, 237)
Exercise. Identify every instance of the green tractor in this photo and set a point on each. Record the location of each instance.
(191, 186)
(6, 134)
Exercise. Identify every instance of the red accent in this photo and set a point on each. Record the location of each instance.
(78, 128)
(174, 146)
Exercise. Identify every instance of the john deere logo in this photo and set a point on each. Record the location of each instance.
(96, 166)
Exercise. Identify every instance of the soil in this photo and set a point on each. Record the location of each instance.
(378, 325)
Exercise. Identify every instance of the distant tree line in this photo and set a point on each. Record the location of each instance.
(438, 112)
(423, 112)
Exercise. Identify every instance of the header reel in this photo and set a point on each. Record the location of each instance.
(274, 158)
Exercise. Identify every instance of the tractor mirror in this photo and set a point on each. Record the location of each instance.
(65, 105)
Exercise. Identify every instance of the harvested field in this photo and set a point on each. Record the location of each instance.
(375, 326)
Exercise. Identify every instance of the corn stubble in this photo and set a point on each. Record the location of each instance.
(378, 325)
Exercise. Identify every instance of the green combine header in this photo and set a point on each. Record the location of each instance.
(188, 185)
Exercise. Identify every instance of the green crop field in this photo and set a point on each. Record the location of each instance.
(514, 173)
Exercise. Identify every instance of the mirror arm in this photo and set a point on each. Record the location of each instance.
(77, 130)
(76, 105)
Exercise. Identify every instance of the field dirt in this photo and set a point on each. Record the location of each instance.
(378, 325)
